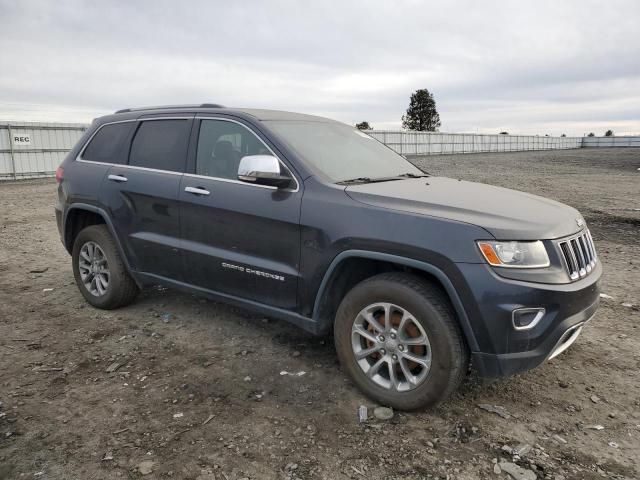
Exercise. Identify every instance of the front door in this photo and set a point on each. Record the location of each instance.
(238, 239)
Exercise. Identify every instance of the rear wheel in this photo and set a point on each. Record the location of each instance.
(398, 338)
(99, 270)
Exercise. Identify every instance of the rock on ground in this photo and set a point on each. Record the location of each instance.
(517, 472)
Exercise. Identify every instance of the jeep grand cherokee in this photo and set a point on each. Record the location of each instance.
(312, 221)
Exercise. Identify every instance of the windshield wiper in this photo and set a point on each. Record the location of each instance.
(413, 175)
(355, 180)
(369, 180)
(380, 179)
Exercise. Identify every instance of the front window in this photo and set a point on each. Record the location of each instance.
(341, 152)
(221, 145)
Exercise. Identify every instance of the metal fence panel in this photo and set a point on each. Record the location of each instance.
(611, 141)
(33, 149)
(48, 143)
(434, 143)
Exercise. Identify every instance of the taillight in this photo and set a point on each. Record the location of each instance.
(59, 174)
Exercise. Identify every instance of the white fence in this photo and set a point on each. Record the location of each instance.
(427, 143)
(611, 142)
(31, 150)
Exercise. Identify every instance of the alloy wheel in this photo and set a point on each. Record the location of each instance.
(94, 269)
(391, 347)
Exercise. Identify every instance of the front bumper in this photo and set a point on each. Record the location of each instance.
(503, 350)
(567, 339)
(502, 364)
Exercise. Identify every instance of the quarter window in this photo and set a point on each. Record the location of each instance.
(161, 144)
(106, 145)
(221, 145)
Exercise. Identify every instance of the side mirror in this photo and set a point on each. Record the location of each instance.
(262, 170)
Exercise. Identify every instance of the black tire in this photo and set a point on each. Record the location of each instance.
(122, 289)
(431, 308)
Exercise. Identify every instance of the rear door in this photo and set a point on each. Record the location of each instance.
(239, 239)
(108, 146)
(142, 196)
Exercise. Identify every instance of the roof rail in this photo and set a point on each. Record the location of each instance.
(165, 107)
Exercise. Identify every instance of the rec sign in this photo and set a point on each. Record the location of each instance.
(21, 138)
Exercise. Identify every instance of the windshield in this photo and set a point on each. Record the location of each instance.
(341, 152)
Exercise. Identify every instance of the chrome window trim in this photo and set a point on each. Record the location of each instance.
(193, 175)
(94, 162)
(132, 167)
(230, 180)
(239, 182)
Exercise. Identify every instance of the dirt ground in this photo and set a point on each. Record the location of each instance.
(190, 389)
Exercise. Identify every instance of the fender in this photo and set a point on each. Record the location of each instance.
(112, 231)
(465, 324)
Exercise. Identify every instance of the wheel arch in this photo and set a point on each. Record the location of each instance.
(81, 215)
(326, 300)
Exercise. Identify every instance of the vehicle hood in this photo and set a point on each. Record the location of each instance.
(505, 214)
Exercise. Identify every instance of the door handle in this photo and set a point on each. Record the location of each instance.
(117, 178)
(197, 190)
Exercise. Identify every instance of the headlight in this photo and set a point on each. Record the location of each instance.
(515, 254)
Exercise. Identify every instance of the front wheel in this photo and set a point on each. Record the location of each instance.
(398, 338)
(99, 270)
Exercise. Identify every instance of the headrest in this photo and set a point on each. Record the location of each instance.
(223, 148)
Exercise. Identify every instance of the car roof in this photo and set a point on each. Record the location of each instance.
(261, 114)
(258, 114)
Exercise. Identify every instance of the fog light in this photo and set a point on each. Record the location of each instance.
(526, 318)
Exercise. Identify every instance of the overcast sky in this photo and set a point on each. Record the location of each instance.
(532, 67)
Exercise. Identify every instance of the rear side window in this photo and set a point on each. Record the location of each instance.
(106, 145)
(161, 144)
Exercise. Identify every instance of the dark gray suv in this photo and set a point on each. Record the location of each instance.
(312, 221)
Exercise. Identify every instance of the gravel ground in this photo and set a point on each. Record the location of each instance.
(175, 386)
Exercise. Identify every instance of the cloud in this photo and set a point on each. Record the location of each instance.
(526, 67)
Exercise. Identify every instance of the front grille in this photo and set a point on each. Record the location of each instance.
(579, 254)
